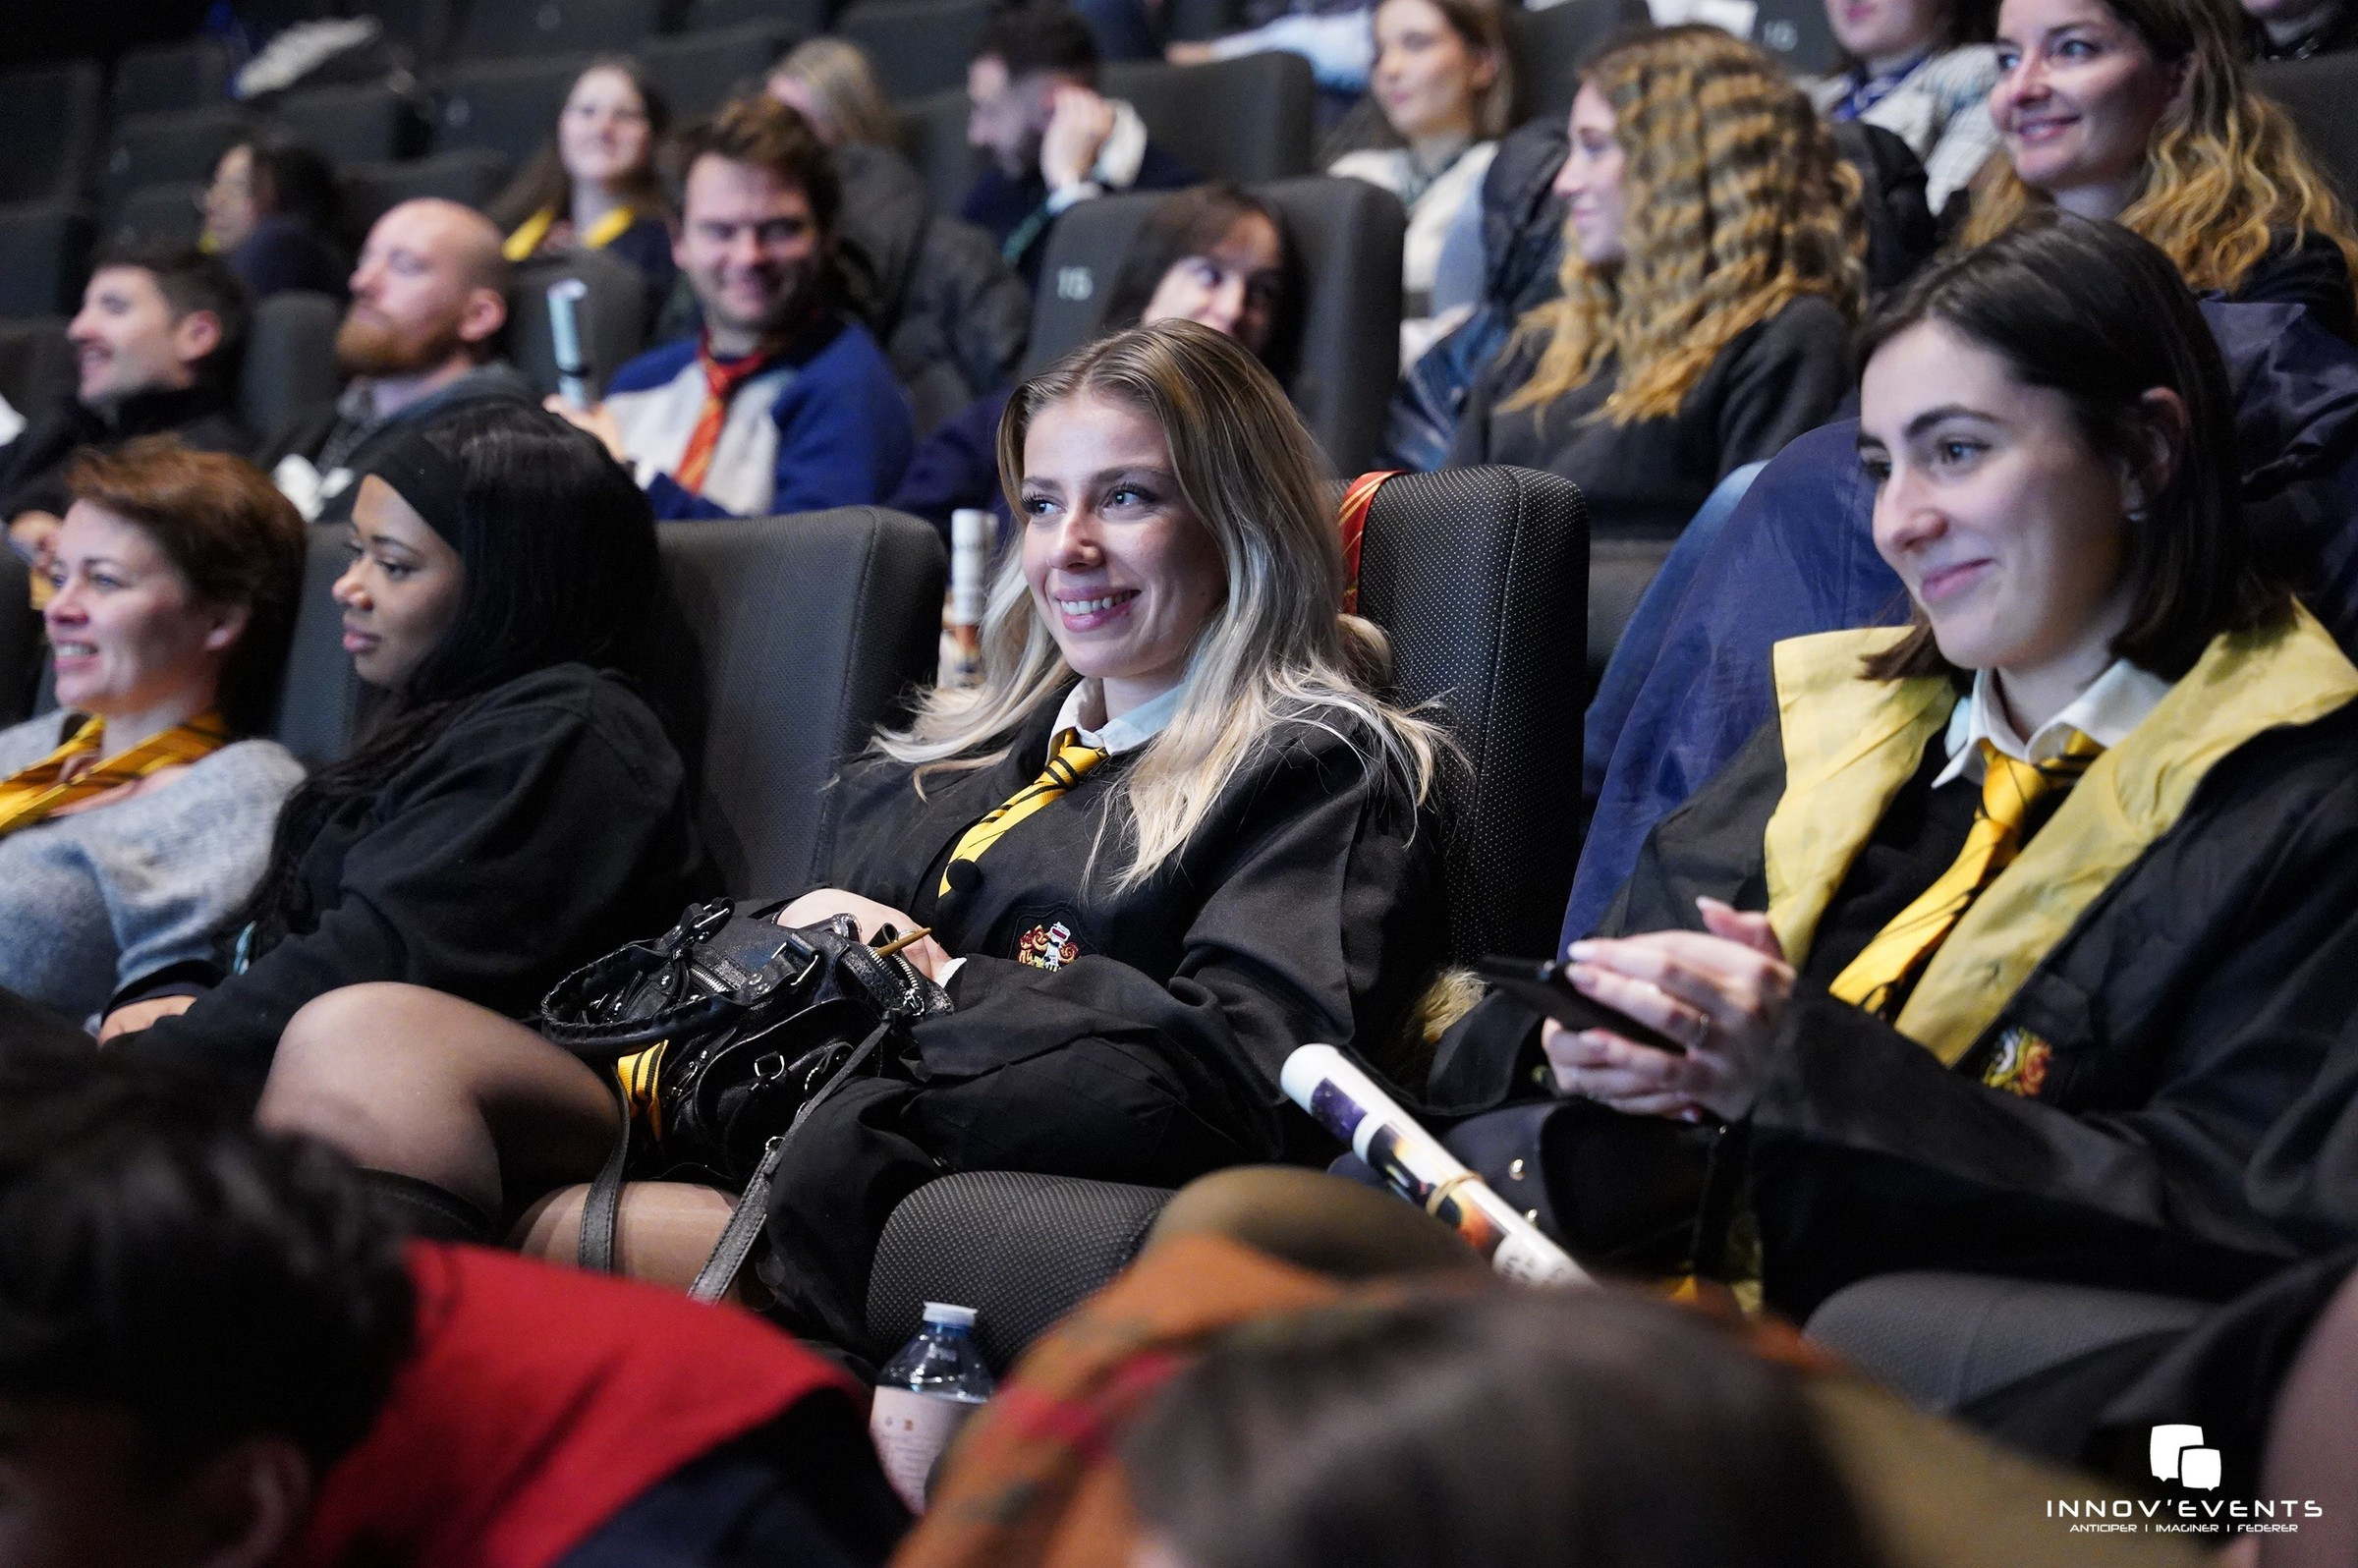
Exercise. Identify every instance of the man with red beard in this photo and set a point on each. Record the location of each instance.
(421, 335)
(782, 403)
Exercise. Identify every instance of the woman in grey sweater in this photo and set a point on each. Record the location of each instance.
(133, 822)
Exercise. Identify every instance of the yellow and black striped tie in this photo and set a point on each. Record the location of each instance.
(2009, 789)
(1068, 760)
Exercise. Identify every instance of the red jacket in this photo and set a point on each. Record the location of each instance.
(539, 1402)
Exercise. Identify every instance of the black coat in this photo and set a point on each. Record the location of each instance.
(1774, 380)
(32, 466)
(1304, 908)
(548, 824)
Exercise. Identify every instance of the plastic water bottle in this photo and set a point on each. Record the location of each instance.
(923, 1395)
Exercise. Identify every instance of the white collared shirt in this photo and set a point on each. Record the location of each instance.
(2114, 705)
(1128, 733)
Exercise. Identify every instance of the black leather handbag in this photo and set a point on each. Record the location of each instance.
(724, 1033)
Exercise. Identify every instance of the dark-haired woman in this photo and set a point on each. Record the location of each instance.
(132, 822)
(270, 213)
(595, 186)
(2019, 940)
(516, 810)
(1213, 253)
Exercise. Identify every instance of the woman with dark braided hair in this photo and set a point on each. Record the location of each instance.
(1711, 272)
(516, 810)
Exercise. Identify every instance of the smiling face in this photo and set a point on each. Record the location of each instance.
(1886, 33)
(1121, 571)
(2006, 527)
(1231, 287)
(751, 248)
(128, 634)
(1590, 181)
(401, 592)
(126, 340)
(602, 131)
(1426, 77)
(231, 206)
(2077, 101)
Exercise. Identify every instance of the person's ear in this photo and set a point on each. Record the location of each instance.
(250, 1502)
(483, 314)
(2164, 428)
(229, 624)
(196, 335)
(1485, 70)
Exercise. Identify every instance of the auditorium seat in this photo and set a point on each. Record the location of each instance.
(359, 124)
(37, 363)
(1196, 20)
(2318, 93)
(511, 30)
(1796, 34)
(21, 654)
(169, 78)
(1551, 45)
(290, 366)
(1340, 373)
(1477, 575)
(422, 29)
(613, 315)
(471, 175)
(1248, 119)
(50, 118)
(169, 149)
(157, 214)
(917, 46)
(781, 643)
(508, 106)
(699, 71)
(1619, 572)
(321, 703)
(44, 249)
(934, 137)
(801, 18)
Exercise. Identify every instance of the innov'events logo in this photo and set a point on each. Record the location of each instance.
(2178, 1454)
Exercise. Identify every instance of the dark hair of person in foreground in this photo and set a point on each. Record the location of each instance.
(1558, 1429)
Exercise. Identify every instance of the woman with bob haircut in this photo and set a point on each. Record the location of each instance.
(2143, 111)
(515, 810)
(594, 185)
(2018, 942)
(1235, 854)
(1711, 273)
(133, 822)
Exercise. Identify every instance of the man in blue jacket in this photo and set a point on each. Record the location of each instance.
(782, 403)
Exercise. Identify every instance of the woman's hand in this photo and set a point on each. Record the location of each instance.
(131, 1016)
(1722, 994)
(597, 420)
(872, 916)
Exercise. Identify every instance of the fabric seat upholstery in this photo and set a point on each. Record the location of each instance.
(321, 702)
(1552, 45)
(508, 106)
(934, 138)
(1247, 119)
(1340, 369)
(290, 367)
(2317, 92)
(520, 28)
(612, 315)
(167, 148)
(698, 71)
(45, 251)
(170, 77)
(158, 214)
(917, 46)
(50, 119)
(471, 176)
(356, 123)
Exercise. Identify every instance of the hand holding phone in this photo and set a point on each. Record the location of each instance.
(1546, 986)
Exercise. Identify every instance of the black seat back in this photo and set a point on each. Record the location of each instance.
(2318, 93)
(1248, 119)
(1551, 45)
(169, 149)
(157, 214)
(471, 176)
(353, 124)
(1480, 578)
(1345, 359)
(321, 702)
(50, 119)
(792, 639)
(699, 71)
(170, 77)
(613, 315)
(44, 253)
(508, 106)
(933, 136)
(37, 363)
(917, 46)
(497, 30)
(19, 640)
(290, 366)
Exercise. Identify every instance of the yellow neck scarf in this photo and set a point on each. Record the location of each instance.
(33, 794)
(533, 232)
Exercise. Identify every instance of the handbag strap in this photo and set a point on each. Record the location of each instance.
(736, 1242)
(601, 1211)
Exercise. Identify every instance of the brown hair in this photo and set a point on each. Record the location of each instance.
(543, 184)
(840, 79)
(1736, 205)
(232, 537)
(1482, 25)
(768, 135)
(2225, 173)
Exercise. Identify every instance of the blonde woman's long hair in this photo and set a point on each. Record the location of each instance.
(2225, 170)
(844, 90)
(1736, 205)
(1277, 651)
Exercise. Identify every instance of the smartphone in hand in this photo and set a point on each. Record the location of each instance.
(1545, 985)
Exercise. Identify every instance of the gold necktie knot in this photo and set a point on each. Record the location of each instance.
(1068, 760)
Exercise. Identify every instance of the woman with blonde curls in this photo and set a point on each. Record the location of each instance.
(2143, 111)
(1225, 848)
(1711, 275)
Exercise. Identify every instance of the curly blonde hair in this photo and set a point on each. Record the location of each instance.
(2225, 173)
(1736, 205)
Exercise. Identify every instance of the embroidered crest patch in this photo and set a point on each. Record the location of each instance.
(1048, 948)
(2020, 1065)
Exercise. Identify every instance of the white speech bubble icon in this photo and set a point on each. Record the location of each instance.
(2199, 1467)
(2168, 1443)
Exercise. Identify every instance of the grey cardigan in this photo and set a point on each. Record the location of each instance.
(93, 901)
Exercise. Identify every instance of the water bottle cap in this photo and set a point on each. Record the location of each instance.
(942, 1312)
